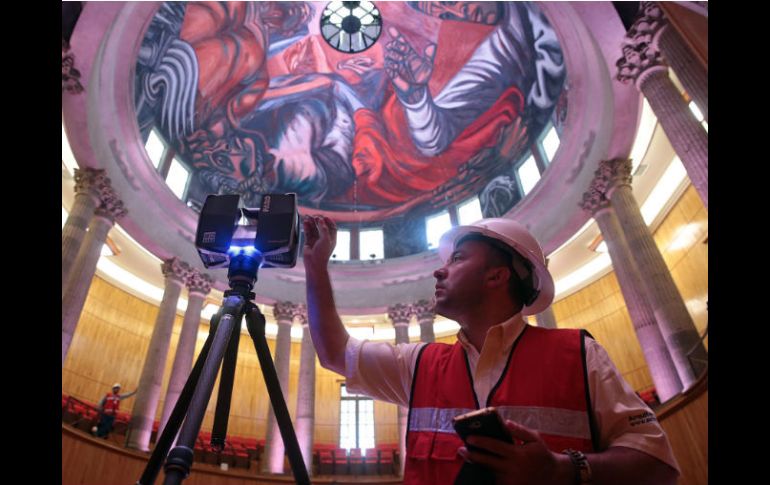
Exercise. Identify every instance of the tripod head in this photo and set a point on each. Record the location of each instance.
(242, 271)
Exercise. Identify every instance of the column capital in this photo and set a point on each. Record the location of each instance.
(175, 269)
(285, 311)
(198, 282)
(424, 310)
(638, 63)
(90, 181)
(111, 206)
(301, 314)
(400, 314)
(648, 25)
(641, 55)
(612, 174)
(70, 77)
(594, 201)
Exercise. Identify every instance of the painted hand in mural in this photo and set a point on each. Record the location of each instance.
(409, 71)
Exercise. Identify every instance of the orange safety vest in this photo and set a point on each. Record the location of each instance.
(111, 404)
(544, 387)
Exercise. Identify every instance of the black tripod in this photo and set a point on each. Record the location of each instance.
(221, 347)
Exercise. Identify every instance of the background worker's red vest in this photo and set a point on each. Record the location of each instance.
(111, 404)
(543, 387)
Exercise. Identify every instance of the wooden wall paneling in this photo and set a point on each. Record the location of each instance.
(687, 431)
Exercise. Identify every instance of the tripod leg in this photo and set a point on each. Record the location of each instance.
(169, 433)
(180, 459)
(255, 322)
(224, 396)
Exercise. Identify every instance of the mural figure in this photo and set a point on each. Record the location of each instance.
(276, 108)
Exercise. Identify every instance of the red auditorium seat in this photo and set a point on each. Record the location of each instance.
(341, 461)
(239, 453)
(388, 458)
(325, 461)
(370, 461)
(356, 461)
(252, 447)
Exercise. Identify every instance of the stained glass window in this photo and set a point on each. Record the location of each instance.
(351, 26)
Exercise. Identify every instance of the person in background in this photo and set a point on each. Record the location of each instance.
(108, 409)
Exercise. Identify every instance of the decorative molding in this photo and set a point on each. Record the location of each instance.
(123, 166)
(587, 145)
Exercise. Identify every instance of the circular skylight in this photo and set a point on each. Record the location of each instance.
(351, 26)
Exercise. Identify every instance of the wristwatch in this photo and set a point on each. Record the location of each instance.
(582, 468)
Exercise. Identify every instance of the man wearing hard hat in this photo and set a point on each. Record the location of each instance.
(108, 409)
(572, 417)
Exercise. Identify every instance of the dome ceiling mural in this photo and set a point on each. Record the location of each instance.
(252, 99)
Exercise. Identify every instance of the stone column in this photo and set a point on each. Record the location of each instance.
(284, 312)
(425, 314)
(400, 315)
(89, 184)
(643, 64)
(675, 323)
(305, 416)
(546, 318)
(690, 72)
(175, 272)
(79, 281)
(198, 286)
(656, 354)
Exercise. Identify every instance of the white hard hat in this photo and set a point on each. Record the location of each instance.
(117, 384)
(517, 237)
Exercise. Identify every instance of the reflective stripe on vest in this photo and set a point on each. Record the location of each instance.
(542, 387)
(562, 422)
